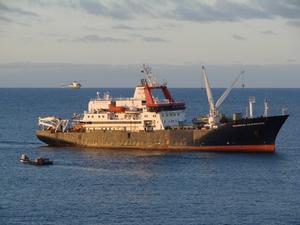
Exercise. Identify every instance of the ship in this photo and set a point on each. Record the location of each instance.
(147, 122)
(73, 85)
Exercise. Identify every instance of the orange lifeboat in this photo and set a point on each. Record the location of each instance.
(116, 109)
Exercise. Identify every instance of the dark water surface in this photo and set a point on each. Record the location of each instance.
(85, 186)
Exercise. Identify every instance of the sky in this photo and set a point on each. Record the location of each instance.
(64, 35)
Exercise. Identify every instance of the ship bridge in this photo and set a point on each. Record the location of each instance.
(150, 84)
(154, 104)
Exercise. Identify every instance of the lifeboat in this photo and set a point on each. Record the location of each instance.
(116, 109)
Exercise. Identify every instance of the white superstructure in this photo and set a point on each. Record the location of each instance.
(143, 111)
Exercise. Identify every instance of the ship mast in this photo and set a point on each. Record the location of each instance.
(151, 79)
(266, 107)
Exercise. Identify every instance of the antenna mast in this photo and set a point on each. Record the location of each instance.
(266, 107)
(251, 102)
(151, 79)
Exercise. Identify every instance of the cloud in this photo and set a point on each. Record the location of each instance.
(123, 27)
(4, 19)
(295, 23)
(196, 10)
(186, 10)
(222, 10)
(94, 7)
(136, 28)
(88, 28)
(238, 37)
(15, 10)
(94, 39)
(127, 9)
(153, 39)
(291, 60)
(193, 10)
(149, 39)
(23, 24)
(268, 32)
(225, 10)
(7, 20)
(289, 9)
(13, 14)
(180, 10)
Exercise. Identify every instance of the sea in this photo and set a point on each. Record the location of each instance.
(101, 186)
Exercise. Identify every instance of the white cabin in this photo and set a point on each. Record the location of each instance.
(140, 112)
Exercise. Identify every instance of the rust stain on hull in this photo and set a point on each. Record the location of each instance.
(163, 140)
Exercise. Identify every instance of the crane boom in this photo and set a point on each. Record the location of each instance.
(227, 91)
(211, 104)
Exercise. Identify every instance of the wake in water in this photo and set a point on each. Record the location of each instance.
(13, 142)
